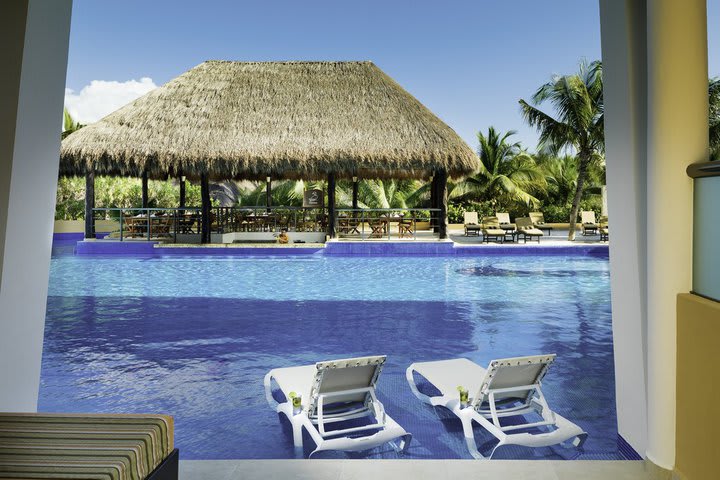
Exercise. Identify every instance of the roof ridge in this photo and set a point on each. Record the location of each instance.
(295, 62)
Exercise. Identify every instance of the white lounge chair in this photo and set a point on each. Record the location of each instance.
(331, 392)
(508, 388)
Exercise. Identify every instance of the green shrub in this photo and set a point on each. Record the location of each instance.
(456, 210)
(120, 192)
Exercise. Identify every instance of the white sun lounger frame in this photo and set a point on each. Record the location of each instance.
(314, 418)
(483, 409)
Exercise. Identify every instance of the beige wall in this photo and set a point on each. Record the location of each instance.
(78, 226)
(698, 388)
(677, 137)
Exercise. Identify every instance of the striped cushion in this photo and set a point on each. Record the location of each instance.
(83, 446)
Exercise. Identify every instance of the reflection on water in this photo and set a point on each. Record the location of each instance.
(203, 360)
(194, 337)
(492, 271)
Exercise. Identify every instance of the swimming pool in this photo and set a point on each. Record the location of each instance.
(194, 336)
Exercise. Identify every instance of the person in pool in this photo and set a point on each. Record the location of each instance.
(283, 237)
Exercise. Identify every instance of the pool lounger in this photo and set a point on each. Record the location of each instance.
(331, 392)
(508, 388)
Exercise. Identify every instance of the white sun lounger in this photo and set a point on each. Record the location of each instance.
(508, 388)
(336, 391)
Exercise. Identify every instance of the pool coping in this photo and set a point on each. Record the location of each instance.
(96, 247)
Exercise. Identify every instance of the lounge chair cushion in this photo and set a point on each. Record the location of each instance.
(532, 232)
(87, 446)
(493, 231)
(470, 218)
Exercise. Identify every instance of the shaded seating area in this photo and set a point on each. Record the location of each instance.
(387, 223)
(538, 220)
(604, 229)
(491, 230)
(87, 446)
(148, 226)
(259, 121)
(526, 229)
(505, 224)
(471, 224)
(588, 224)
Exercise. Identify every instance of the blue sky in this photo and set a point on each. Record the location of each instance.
(468, 61)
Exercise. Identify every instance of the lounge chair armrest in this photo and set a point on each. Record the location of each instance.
(434, 401)
(268, 391)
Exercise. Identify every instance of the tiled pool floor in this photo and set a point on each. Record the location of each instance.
(194, 336)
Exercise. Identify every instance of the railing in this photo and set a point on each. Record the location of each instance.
(385, 223)
(270, 219)
(168, 223)
(706, 229)
(361, 224)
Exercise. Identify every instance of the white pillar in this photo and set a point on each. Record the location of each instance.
(656, 123)
(34, 37)
(625, 81)
(677, 136)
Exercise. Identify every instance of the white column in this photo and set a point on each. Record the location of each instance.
(677, 136)
(35, 37)
(625, 82)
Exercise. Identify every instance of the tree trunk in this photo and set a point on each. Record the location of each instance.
(205, 198)
(89, 204)
(442, 200)
(144, 189)
(582, 173)
(331, 205)
(433, 204)
(182, 192)
(355, 197)
(268, 194)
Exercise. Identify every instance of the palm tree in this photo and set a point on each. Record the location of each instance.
(561, 174)
(506, 172)
(69, 125)
(578, 102)
(714, 103)
(390, 193)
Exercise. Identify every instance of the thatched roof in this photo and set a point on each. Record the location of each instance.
(284, 119)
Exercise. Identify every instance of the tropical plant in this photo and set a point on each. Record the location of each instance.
(69, 125)
(119, 192)
(578, 103)
(283, 192)
(561, 175)
(389, 193)
(714, 117)
(508, 174)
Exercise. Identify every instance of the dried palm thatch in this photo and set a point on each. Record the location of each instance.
(247, 120)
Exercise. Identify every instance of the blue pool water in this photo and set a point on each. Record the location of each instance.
(194, 336)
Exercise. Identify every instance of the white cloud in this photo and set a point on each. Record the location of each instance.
(102, 97)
